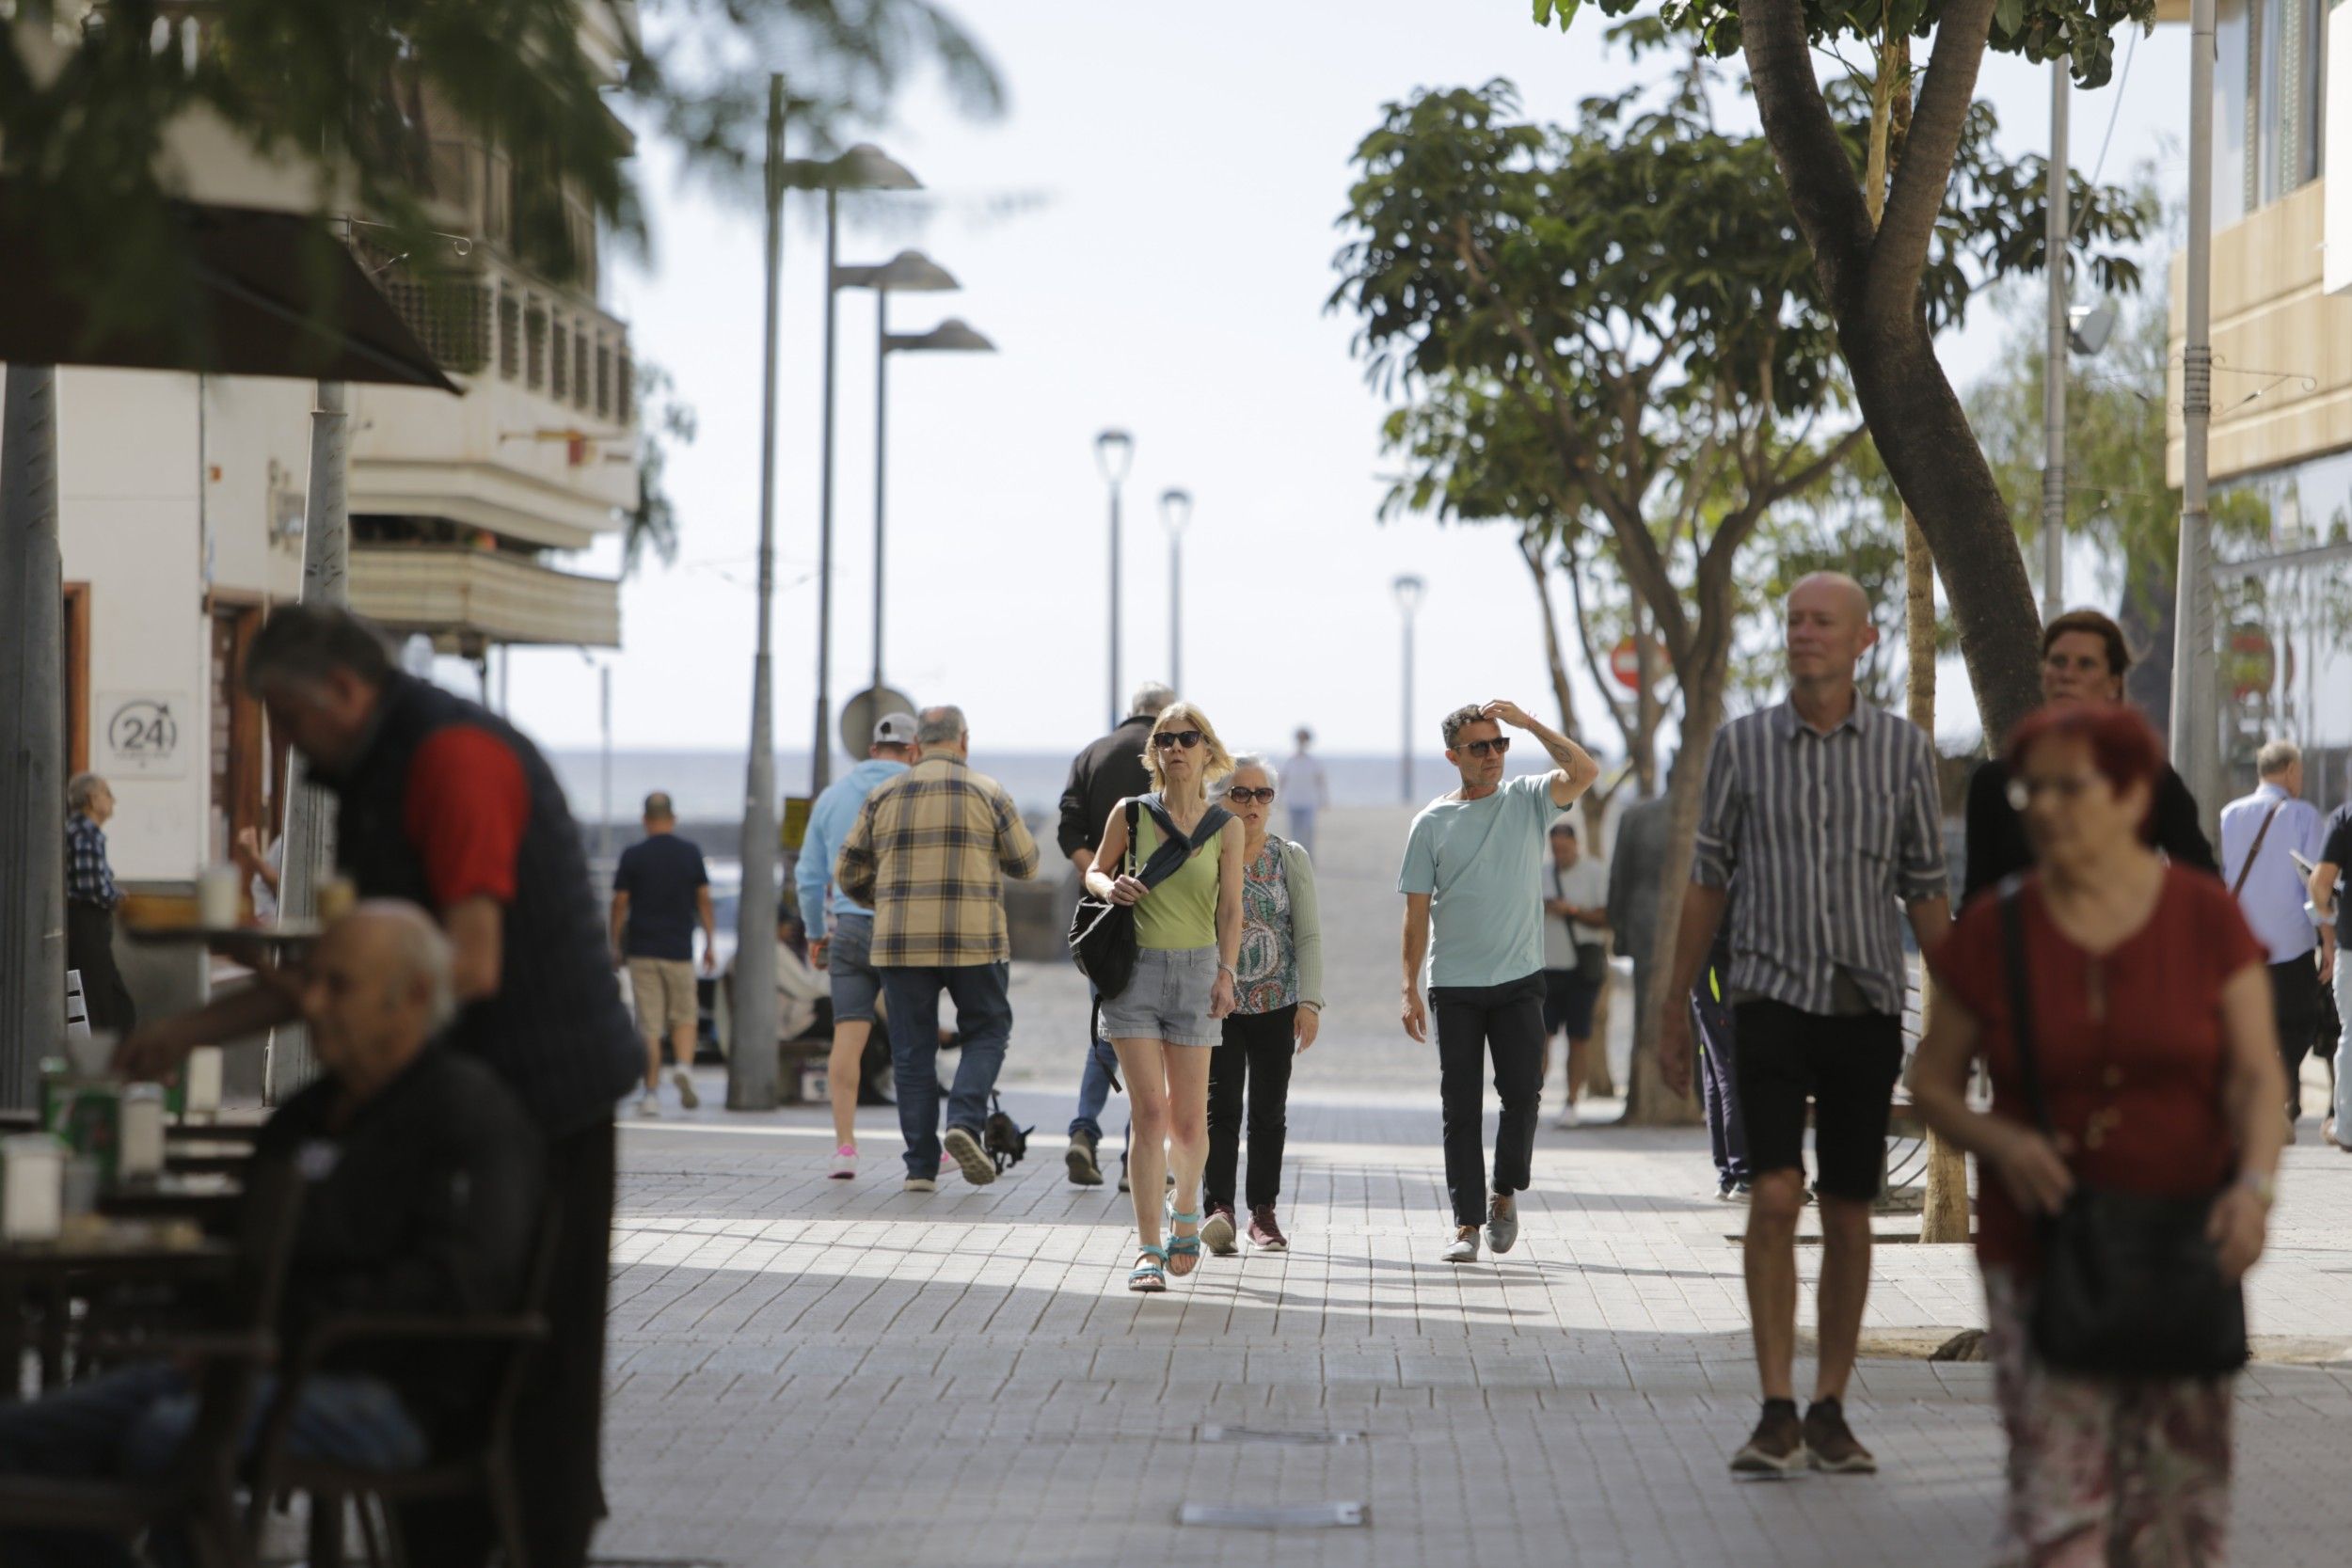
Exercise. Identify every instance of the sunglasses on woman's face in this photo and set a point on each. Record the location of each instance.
(1264, 796)
(1499, 745)
(1170, 739)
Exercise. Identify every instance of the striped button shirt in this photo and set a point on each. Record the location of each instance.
(1827, 836)
(929, 856)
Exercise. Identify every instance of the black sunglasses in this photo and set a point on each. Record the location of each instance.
(1496, 747)
(1247, 796)
(1166, 740)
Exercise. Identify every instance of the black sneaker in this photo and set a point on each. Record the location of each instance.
(1830, 1442)
(1777, 1447)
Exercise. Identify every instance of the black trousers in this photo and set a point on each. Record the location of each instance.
(1257, 1052)
(558, 1421)
(2295, 1003)
(1505, 1022)
(89, 946)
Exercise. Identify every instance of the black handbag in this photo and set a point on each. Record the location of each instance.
(2130, 1284)
(1103, 933)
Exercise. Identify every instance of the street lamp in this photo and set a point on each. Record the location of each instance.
(1408, 589)
(949, 337)
(1175, 514)
(1113, 454)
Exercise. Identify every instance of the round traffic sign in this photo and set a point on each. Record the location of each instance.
(863, 711)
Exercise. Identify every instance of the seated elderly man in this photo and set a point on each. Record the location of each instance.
(422, 1193)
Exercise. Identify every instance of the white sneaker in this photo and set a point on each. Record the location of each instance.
(919, 1185)
(844, 1163)
(686, 1095)
(1567, 1122)
(649, 1105)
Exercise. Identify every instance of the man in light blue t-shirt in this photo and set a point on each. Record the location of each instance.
(1473, 916)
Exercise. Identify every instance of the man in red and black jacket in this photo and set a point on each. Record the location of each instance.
(443, 803)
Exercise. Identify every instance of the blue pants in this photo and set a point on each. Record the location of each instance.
(983, 1019)
(1719, 1085)
(1303, 829)
(131, 1423)
(1094, 1090)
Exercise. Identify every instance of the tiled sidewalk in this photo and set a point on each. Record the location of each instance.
(809, 1372)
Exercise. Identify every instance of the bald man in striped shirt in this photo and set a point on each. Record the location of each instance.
(1824, 811)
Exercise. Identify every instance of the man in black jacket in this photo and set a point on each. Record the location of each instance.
(1106, 772)
(422, 1193)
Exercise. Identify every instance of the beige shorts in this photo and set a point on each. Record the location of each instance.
(663, 989)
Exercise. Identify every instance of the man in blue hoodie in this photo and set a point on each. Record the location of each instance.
(840, 930)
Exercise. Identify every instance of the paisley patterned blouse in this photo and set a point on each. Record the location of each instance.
(1266, 978)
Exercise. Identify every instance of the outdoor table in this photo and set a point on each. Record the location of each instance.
(94, 1254)
(209, 1197)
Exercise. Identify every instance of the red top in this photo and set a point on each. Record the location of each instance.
(466, 809)
(2137, 1093)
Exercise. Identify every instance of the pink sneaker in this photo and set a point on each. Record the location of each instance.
(844, 1163)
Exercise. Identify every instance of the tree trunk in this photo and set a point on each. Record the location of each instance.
(1649, 1101)
(2146, 617)
(1944, 1215)
(1532, 552)
(32, 735)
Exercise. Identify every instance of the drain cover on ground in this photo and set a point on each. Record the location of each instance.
(1296, 1439)
(1276, 1515)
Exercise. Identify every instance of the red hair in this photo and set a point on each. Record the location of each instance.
(2123, 747)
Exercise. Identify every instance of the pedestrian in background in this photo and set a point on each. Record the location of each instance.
(1473, 918)
(1309, 790)
(1637, 865)
(1825, 810)
(1108, 771)
(1717, 1042)
(660, 888)
(90, 899)
(2328, 902)
(928, 855)
(2147, 1023)
(1278, 1010)
(841, 930)
(1166, 1022)
(2262, 834)
(1576, 956)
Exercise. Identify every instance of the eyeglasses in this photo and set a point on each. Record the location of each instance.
(2067, 789)
(1170, 739)
(1496, 747)
(1264, 796)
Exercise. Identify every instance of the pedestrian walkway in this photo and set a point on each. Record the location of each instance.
(810, 1371)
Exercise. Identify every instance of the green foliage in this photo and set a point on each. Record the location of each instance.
(664, 422)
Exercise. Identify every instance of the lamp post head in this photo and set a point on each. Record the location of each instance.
(2089, 326)
(910, 272)
(868, 168)
(951, 336)
(1114, 452)
(1175, 511)
(1408, 589)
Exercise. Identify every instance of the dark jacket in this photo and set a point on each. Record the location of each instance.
(426, 1202)
(1637, 865)
(1997, 846)
(1100, 776)
(554, 1029)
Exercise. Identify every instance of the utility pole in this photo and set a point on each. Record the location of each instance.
(32, 735)
(2055, 361)
(2195, 724)
(751, 1049)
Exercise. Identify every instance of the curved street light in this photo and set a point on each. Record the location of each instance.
(1114, 455)
(1408, 589)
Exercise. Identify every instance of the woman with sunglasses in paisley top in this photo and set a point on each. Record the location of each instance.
(1164, 1022)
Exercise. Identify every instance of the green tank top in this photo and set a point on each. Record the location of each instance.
(1180, 914)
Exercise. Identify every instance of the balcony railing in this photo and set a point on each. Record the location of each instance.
(465, 598)
(498, 320)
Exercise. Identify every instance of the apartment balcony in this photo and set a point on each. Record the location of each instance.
(465, 598)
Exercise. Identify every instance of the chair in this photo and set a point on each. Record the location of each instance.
(198, 1491)
(484, 1467)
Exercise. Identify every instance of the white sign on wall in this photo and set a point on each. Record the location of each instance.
(2335, 256)
(145, 734)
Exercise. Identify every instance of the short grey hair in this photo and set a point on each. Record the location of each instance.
(1462, 717)
(309, 642)
(423, 951)
(940, 727)
(1250, 759)
(2276, 757)
(80, 790)
(1150, 698)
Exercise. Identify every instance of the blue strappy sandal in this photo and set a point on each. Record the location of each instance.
(1182, 1246)
(1150, 1279)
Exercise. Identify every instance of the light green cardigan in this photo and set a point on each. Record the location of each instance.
(1306, 924)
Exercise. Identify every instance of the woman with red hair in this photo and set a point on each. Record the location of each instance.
(2148, 1022)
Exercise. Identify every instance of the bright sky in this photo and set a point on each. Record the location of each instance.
(1148, 236)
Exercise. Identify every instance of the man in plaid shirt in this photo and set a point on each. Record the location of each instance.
(90, 897)
(929, 856)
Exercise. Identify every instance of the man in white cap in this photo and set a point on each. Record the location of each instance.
(841, 930)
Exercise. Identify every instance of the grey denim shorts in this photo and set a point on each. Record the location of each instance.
(1168, 999)
(849, 961)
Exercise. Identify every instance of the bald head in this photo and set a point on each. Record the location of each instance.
(1829, 629)
(378, 990)
(1835, 591)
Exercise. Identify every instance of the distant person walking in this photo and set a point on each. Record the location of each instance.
(1166, 1022)
(841, 930)
(1308, 790)
(1473, 882)
(2260, 836)
(1825, 810)
(1637, 865)
(660, 888)
(928, 855)
(1576, 955)
(1718, 1041)
(90, 899)
(1277, 1011)
(1108, 771)
(2325, 889)
(2084, 661)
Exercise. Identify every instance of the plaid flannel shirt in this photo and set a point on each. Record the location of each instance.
(88, 879)
(929, 856)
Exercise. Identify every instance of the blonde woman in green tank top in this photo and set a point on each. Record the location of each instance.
(1166, 1022)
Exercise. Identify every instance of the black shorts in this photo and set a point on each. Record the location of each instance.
(1568, 1004)
(1846, 1064)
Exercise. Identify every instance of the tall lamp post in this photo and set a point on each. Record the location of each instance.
(1113, 454)
(1408, 589)
(2054, 370)
(1176, 515)
(2196, 719)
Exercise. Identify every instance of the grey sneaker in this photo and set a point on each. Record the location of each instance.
(1081, 1162)
(1830, 1443)
(686, 1095)
(1464, 1247)
(919, 1185)
(970, 1157)
(1502, 1225)
(1776, 1449)
(1218, 1232)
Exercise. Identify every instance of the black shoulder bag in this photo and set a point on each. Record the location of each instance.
(1103, 933)
(2130, 1286)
